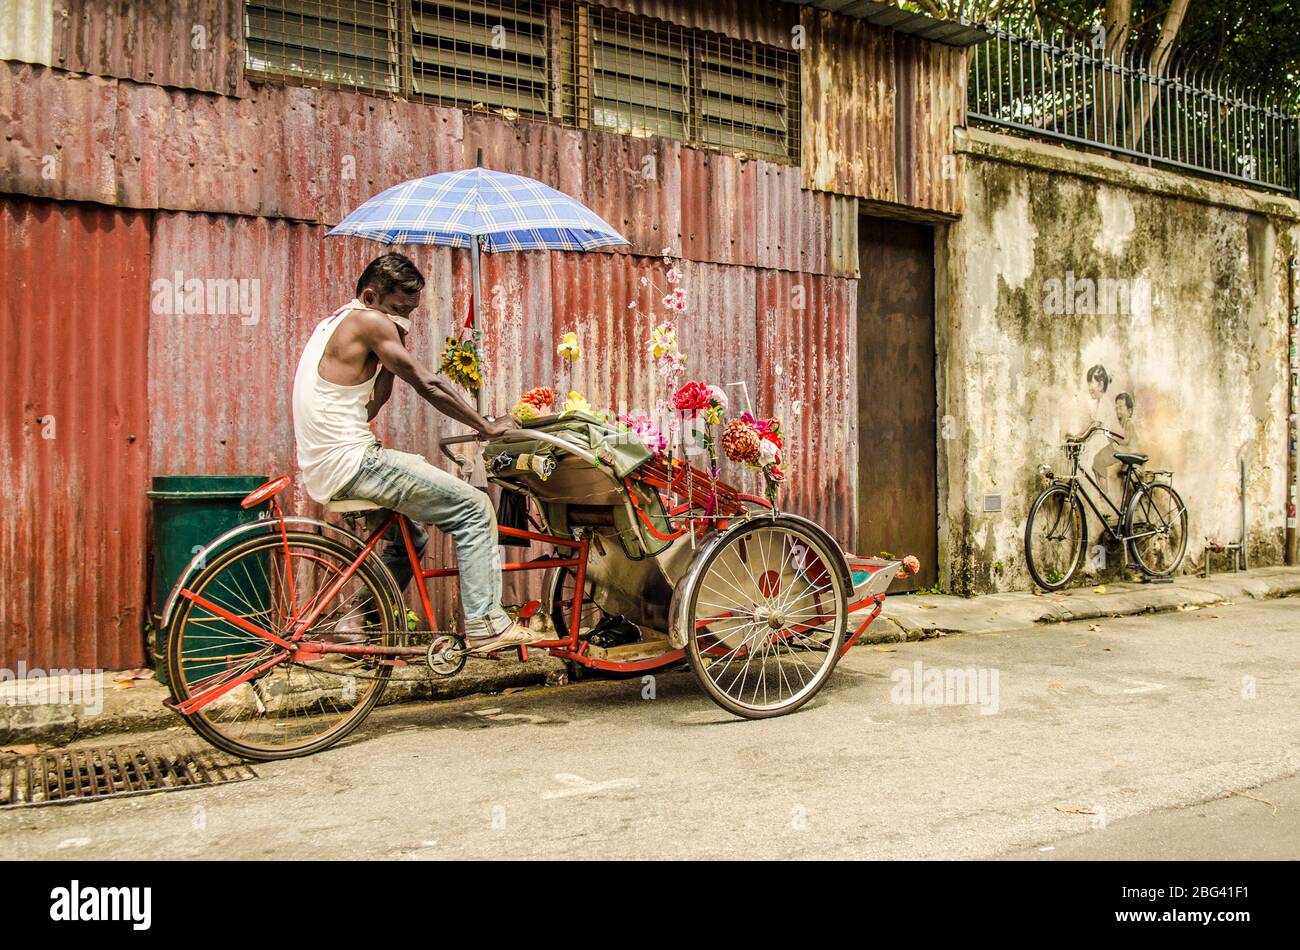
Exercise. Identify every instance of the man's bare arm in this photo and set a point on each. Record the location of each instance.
(382, 391)
(378, 332)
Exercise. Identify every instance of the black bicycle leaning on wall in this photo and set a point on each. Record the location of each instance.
(1150, 521)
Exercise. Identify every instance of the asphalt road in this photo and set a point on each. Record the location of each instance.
(1095, 741)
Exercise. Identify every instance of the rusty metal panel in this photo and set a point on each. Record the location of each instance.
(897, 488)
(27, 31)
(759, 22)
(931, 83)
(636, 184)
(844, 236)
(187, 44)
(794, 225)
(61, 134)
(848, 98)
(807, 364)
(75, 435)
(719, 208)
(368, 144)
(287, 152)
(553, 154)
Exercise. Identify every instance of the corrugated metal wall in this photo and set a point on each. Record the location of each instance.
(189, 44)
(74, 435)
(879, 110)
(238, 182)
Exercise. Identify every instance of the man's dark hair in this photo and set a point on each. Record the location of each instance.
(1098, 373)
(1126, 399)
(389, 273)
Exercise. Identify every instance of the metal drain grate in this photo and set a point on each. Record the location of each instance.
(64, 776)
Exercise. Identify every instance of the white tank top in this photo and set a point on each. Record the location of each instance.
(329, 420)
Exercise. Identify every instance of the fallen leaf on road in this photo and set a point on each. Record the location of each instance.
(1056, 686)
(1094, 626)
(928, 606)
(1076, 809)
(1099, 589)
(19, 749)
(1254, 798)
(931, 634)
(1105, 649)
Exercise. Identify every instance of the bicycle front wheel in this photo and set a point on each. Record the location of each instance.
(1156, 524)
(1056, 537)
(296, 703)
(768, 614)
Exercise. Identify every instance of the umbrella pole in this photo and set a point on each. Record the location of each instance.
(474, 319)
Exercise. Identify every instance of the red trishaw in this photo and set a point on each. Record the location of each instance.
(680, 565)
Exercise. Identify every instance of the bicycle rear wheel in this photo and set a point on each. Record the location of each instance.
(1157, 516)
(296, 703)
(1056, 537)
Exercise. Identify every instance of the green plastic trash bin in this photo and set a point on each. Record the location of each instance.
(189, 511)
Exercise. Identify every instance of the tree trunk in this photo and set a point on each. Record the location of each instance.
(1169, 28)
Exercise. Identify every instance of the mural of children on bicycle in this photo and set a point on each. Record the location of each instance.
(1115, 413)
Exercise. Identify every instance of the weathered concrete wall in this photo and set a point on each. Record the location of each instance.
(1200, 345)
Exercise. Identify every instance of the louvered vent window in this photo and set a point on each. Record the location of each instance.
(567, 60)
(351, 43)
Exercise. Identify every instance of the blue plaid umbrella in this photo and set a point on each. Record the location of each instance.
(503, 212)
(481, 210)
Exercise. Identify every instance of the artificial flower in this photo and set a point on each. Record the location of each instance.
(460, 362)
(910, 566)
(663, 340)
(674, 275)
(568, 347)
(577, 403)
(647, 432)
(768, 453)
(540, 398)
(740, 442)
(692, 397)
(523, 411)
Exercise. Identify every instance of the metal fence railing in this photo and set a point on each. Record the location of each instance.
(1048, 86)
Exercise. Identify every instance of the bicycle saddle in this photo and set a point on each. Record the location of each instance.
(1131, 458)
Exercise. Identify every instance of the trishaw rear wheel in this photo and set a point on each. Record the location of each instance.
(767, 614)
(293, 707)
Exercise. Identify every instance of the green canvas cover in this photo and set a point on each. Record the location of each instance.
(622, 451)
(574, 483)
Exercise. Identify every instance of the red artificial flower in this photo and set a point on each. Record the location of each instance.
(540, 397)
(775, 474)
(692, 397)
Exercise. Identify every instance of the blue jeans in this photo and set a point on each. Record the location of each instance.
(427, 495)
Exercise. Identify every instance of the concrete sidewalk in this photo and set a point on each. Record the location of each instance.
(918, 616)
(137, 704)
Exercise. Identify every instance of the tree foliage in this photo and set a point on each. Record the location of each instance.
(1251, 44)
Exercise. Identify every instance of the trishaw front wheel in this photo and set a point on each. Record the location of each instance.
(767, 616)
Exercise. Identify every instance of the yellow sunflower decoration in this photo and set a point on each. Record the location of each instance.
(460, 363)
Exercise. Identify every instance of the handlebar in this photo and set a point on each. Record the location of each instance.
(1092, 430)
(445, 444)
